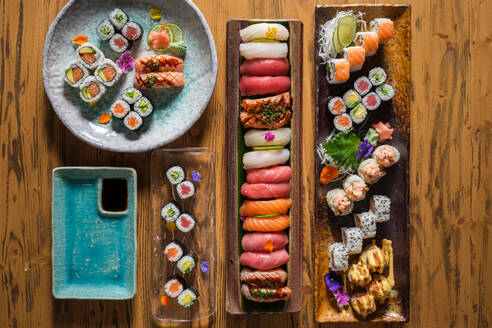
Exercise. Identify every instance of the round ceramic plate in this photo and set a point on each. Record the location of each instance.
(175, 110)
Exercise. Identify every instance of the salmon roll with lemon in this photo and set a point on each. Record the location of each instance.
(108, 73)
(383, 27)
(337, 71)
(356, 57)
(369, 41)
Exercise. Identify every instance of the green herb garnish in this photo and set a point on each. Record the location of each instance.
(342, 148)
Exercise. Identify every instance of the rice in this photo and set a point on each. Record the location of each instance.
(381, 207)
(352, 238)
(366, 222)
(339, 255)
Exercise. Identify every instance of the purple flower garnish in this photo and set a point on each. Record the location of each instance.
(242, 217)
(341, 297)
(125, 62)
(269, 136)
(195, 176)
(204, 266)
(364, 149)
(333, 281)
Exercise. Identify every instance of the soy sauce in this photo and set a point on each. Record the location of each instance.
(114, 195)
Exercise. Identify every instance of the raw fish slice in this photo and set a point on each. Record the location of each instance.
(264, 30)
(276, 223)
(259, 138)
(264, 260)
(265, 207)
(264, 295)
(260, 241)
(263, 50)
(265, 67)
(263, 85)
(265, 158)
(264, 278)
(276, 174)
(264, 190)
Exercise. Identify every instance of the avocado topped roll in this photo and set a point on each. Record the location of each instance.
(89, 55)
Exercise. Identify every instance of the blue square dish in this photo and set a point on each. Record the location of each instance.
(94, 249)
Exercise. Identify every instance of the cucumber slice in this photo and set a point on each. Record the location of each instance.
(264, 40)
(266, 216)
(346, 29)
(268, 147)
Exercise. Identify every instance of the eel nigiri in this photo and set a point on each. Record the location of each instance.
(264, 260)
(265, 67)
(368, 40)
(356, 57)
(259, 138)
(264, 241)
(263, 50)
(266, 113)
(275, 174)
(265, 158)
(265, 190)
(264, 295)
(383, 27)
(159, 80)
(276, 223)
(158, 63)
(265, 207)
(264, 278)
(337, 70)
(269, 31)
(263, 85)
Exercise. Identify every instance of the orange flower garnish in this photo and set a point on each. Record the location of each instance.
(165, 300)
(105, 118)
(268, 246)
(80, 39)
(328, 173)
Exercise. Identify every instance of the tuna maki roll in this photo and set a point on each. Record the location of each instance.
(187, 263)
(108, 73)
(170, 212)
(342, 122)
(174, 251)
(131, 95)
(174, 286)
(362, 85)
(105, 30)
(118, 18)
(186, 189)
(377, 76)
(188, 297)
(371, 101)
(132, 31)
(385, 92)
(118, 43)
(175, 174)
(143, 107)
(89, 55)
(358, 113)
(185, 222)
(91, 90)
(133, 121)
(120, 108)
(75, 73)
(351, 98)
(336, 106)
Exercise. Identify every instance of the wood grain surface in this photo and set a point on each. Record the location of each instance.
(450, 169)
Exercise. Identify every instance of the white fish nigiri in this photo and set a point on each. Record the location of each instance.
(260, 138)
(265, 158)
(264, 30)
(263, 50)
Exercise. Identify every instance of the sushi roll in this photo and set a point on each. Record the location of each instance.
(188, 297)
(143, 107)
(355, 187)
(339, 256)
(383, 27)
(385, 92)
(380, 288)
(386, 155)
(264, 32)
(120, 108)
(338, 202)
(381, 207)
(352, 239)
(118, 18)
(362, 85)
(263, 50)
(174, 251)
(185, 189)
(105, 30)
(91, 90)
(89, 55)
(371, 101)
(351, 98)
(368, 40)
(75, 73)
(187, 263)
(133, 121)
(342, 122)
(132, 31)
(174, 286)
(265, 158)
(131, 95)
(175, 174)
(118, 43)
(170, 212)
(363, 303)
(356, 57)
(337, 71)
(108, 73)
(336, 106)
(358, 275)
(366, 222)
(376, 260)
(265, 138)
(377, 76)
(370, 171)
(358, 114)
(185, 222)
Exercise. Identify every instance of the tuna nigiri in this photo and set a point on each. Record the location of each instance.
(265, 67)
(263, 31)
(259, 138)
(265, 260)
(337, 71)
(265, 158)
(276, 223)
(356, 57)
(383, 27)
(275, 174)
(368, 40)
(264, 241)
(263, 50)
(265, 207)
(265, 190)
(263, 85)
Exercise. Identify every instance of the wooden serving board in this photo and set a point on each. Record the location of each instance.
(394, 57)
(236, 303)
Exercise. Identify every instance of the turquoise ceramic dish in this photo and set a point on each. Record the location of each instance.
(94, 251)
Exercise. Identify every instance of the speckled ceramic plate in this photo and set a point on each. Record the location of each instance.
(175, 111)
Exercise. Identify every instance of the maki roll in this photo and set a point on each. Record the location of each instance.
(133, 121)
(118, 18)
(170, 212)
(105, 30)
(174, 251)
(131, 95)
(356, 57)
(351, 98)
(383, 27)
(386, 155)
(338, 202)
(174, 286)
(89, 55)
(337, 71)
(358, 113)
(339, 256)
(185, 222)
(342, 122)
(132, 31)
(370, 171)
(91, 90)
(75, 73)
(352, 239)
(368, 40)
(366, 222)
(371, 101)
(363, 303)
(377, 76)
(143, 107)
(380, 288)
(358, 275)
(188, 297)
(355, 187)
(118, 43)
(376, 260)
(336, 106)
(187, 263)
(175, 174)
(120, 108)
(185, 189)
(385, 92)
(381, 207)
(362, 85)
(108, 73)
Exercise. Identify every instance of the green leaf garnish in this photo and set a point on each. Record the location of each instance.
(342, 148)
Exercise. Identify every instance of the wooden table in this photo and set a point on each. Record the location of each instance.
(451, 168)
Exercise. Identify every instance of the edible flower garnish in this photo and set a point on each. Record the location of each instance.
(80, 39)
(171, 226)
(165, 300)
(333, 281)
(268, 246)
(242, 218)
(384, 130)
(364, 150)
(155, 13)
(328, 173)
(372, 136)
(269, 136)
(272, 31)
(104, 118)
(341, 297)
(125, 62)
(195, 176)
(204, 266)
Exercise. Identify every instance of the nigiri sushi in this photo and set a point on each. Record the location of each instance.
(264, 241)
(265, 158)
(265, 67)
(265, 207)
(265, 294)
(264, 32)
(263, 50)
(264, 260)
(264, 278)
(356, 57)
(265, 190)
(275, 174)
(276, 223)
(259, 138)
(337, 71)
(383, 27)
(368, 40)
(263, 85)
(266, 113)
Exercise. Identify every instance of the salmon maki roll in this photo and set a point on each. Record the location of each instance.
(337, 71)
(356, 57)
(383, 27)
(160, 80)
(158, 63)
(273, 224)
(265, 207)
(369, 41)
(108, 73)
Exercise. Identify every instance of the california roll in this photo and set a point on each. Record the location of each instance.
(188, 297)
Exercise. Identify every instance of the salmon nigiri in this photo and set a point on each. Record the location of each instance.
(265, 207)
(276, 223)
(337, 71)
(383, 27)
(356, 57)
(368, 40)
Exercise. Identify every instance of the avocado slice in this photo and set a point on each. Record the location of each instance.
(86, 93)
(101, 74)
(87, 50)
(69, 75)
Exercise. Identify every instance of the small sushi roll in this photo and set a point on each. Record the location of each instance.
(370, 171)
(375, 259)
(89, 55)
(185, 222)
(188, 297)
(75, 73)
(385, 92)
(362, 303)
(377, 76)
(264, 32)
(342, 122)
(175, 174)
(371, 101)
(132, 31)
(118, 43)
(358, 275)
(107, 72)
(185, 189)
(355, 187)
(381, 207)
(352, 239)
(143, 107)
(336, 106)
(366, 222)
(133, 121)
(91, 90)
(383, 27)
(263, 50)
(262, 138)
(356, 57)
(386, 155)
(120, 108)
(187, 263)
(105, 30)
(358, 114)
(351, 98)
(338, 202)
(368, 40)
(170, 212)
(174, 251)
(118, 18)
(337, 71)
(131, 95)
(380, 288)
(339, 256)
(362, 85)
(174, 286)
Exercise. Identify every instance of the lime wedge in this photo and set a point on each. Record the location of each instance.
(266, 216)
(336, 44)
(268, 147)
(175, 31)
(347, 26)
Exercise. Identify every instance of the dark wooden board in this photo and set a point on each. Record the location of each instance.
(394, 57)
(235, 302)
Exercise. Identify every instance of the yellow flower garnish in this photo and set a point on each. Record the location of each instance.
(171, 226)
(155, 13)
(272, 31)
